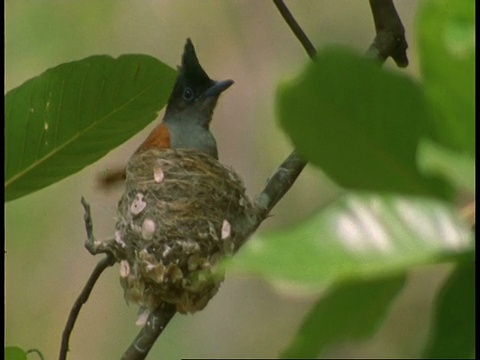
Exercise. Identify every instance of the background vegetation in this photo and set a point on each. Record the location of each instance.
(46, 262)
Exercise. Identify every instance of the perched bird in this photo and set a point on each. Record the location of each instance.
(182, 211)
(186, 123)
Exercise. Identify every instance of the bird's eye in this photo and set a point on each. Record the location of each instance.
(188, 94)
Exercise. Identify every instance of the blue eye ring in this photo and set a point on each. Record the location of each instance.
(188, 94)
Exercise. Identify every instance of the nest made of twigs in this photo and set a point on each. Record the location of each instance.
(181, 212)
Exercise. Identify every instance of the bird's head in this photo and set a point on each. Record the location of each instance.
(194, 94)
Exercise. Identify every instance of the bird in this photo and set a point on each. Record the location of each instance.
(189, 111)
(182, 211)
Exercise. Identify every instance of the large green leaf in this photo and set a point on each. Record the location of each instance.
(349, 311)
(358, 123)
(73, 114)
(446, 45)
(453, 331)
(358, 236)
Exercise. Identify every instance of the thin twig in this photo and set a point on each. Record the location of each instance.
(280, 182)
(390, 39)
(157, 321)
(35, 351)
(106, 262)
(297, 30)
(93, 247)
(286, 174)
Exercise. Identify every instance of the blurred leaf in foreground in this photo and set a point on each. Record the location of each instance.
(349, 311)
(359, 124)
(360, 236)
(453, 329)
(457, 168)
(446, 45)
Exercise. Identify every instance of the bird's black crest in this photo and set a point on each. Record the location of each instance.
(191, 68)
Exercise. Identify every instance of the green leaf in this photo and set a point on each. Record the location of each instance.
(350, 311)
(358, 236)
(453, 332)
(73, 114)
(446, 45)
(14, 353)
(458, 169)
(358, 123)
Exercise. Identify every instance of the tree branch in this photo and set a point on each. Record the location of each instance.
(157, 321)
(390, 39)
(279, 183)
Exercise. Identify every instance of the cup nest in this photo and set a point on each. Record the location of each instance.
(182, 211)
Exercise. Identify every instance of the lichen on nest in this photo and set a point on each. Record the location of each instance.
(181, 212)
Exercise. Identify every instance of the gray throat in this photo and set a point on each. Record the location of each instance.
(191, 135)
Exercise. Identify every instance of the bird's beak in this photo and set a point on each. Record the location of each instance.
(217, 88)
